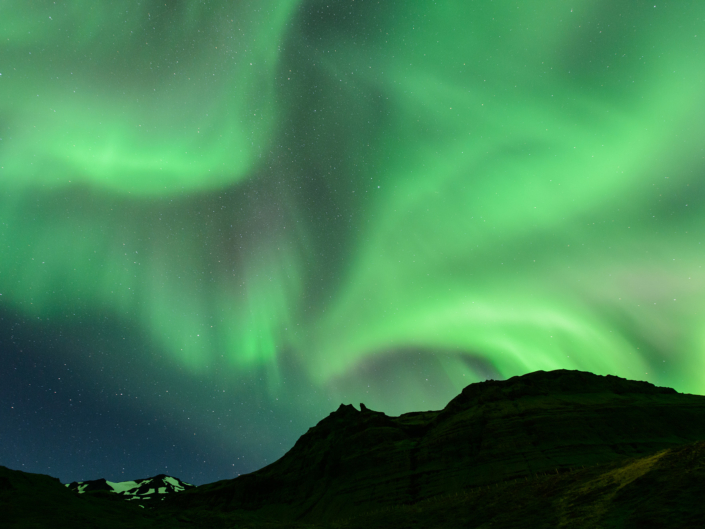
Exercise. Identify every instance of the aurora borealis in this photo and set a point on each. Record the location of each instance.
(219, 220)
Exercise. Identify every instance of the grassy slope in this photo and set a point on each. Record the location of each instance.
(663, 490)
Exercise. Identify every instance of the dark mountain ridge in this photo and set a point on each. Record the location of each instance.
(492, 432)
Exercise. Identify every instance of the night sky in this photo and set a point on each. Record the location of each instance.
(219, 220)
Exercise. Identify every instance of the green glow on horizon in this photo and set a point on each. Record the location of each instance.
(525, 187)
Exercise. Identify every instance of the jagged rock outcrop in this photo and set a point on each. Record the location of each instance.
(494, 431)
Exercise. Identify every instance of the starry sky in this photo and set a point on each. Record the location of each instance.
(219, 220)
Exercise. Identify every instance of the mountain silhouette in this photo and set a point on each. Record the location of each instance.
(547, 449)
(493, 432)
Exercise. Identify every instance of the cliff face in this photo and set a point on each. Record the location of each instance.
(493, 432)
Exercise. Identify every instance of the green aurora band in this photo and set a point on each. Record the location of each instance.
(351, 190)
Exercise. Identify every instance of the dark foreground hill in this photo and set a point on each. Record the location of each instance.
(548, 449)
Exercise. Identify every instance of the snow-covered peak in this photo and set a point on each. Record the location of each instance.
(141, 489)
